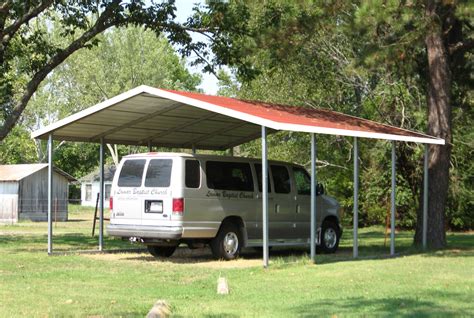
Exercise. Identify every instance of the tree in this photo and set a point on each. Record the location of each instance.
(123, 59)
(28, 54)
(425, 42)
(441, 40)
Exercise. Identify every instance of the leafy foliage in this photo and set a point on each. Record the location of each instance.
(368, 60)
(28, 52)
(123, 59)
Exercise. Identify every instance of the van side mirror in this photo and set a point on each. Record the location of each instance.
(319, 189)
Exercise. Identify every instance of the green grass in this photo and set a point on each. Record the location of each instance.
(437, 283)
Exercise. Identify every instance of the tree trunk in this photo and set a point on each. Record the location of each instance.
(439, 125)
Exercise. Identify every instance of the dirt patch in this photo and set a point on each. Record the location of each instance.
(184, 257)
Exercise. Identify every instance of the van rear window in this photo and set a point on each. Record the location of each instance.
(159, 173)
(131, 173)
(235, 176)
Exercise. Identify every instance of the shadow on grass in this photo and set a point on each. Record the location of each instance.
(459, 245)
(278, 256)
(76, 220)
(399, 306)
(70, 242)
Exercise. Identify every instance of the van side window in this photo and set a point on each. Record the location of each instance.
(235, 176)
(258, 170)
(159, 173)
(302, 180)
(192, 174)
(131, 173)
(281, 179)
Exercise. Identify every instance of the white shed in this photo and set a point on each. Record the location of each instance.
(90, 185)
(24, 193)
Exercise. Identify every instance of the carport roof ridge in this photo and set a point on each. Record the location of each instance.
(157, 117)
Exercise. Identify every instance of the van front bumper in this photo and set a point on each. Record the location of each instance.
(145, 231)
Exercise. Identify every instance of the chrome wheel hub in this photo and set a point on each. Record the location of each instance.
(330, 238)
(231, 243)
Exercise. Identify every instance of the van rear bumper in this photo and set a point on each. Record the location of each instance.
(145, 231)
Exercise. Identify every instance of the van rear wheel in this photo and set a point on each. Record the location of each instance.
(228, 242)
(161, 251)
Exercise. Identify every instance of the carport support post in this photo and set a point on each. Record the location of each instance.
(425, 197)
(355, 244)
(392, 210)
(265, 196)
(50, 194)
(313, 198)
(101, 196)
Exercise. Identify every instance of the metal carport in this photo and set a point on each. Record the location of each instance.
(155, 117)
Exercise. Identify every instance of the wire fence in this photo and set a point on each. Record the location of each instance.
(13, 208)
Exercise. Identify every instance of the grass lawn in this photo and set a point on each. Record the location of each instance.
(32, 284)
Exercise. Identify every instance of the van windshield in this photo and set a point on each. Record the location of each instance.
(131, 173)
(158, 173)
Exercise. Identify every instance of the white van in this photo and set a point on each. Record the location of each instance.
(164, 199)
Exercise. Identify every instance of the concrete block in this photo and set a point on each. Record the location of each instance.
(222, 286)
(159, 310)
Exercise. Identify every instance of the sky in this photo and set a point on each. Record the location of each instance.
(209, 81)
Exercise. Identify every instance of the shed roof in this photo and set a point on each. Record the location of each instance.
(20, 171)
(157, 117)
(109, 171)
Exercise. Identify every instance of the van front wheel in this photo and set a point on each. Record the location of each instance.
(330, 237)
(161, 251)
(228, 242)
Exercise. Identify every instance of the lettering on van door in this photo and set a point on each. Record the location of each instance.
(229, 194)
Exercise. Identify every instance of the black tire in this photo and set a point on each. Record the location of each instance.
(161, 251)
(228, 242)
(330, 235)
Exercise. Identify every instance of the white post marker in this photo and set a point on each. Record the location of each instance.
(265, 196)
(425, 197)
(392, 210)
(355, 245)
(50, 194)
(313, 198)
(101, 195)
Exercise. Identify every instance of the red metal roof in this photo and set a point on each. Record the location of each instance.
(318, 117)
(156, 117)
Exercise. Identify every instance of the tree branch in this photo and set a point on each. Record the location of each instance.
(211, 68)
(4, 7)
(463, 46)
(10, 31)
(100, 25)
